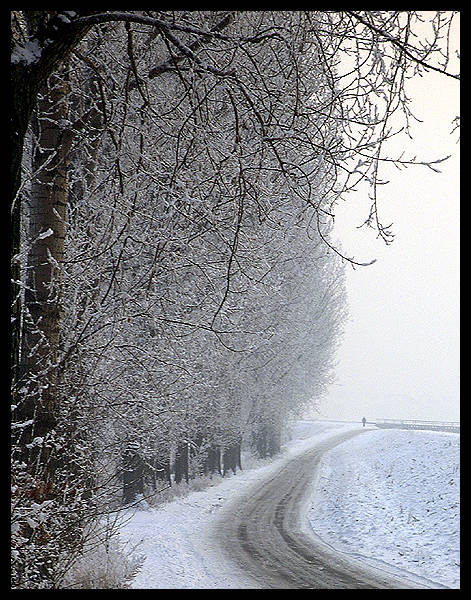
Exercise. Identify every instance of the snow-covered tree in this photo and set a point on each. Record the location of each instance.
(175, 289)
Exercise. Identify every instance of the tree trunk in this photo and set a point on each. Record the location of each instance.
(181, 463)
(266, 440)
(161, 471)
(56, 39)
(134, 470)
(231, 458)
(213, 460)
(47, 232)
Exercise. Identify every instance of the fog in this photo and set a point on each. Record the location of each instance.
(399, 357)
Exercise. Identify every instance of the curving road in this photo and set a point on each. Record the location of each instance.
(262, 533)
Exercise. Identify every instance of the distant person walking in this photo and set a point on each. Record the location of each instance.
(363, 421)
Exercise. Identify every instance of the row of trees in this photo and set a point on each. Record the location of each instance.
(176, 292)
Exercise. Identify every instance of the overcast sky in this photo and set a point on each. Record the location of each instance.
(400, 353)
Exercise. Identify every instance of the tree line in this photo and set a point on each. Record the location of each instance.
(177, 294)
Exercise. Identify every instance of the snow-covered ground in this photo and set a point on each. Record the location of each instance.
(388, 494)
(394, 494)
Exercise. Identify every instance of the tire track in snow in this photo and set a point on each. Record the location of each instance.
(262, 532)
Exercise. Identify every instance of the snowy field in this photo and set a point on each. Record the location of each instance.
(394, 495)
(388, 494)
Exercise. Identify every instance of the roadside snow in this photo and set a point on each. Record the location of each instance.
(179, 553)
(394, 494)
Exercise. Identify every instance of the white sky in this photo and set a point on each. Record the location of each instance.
(400, 352)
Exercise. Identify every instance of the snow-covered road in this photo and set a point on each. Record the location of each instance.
(195, 541)
(263, 531)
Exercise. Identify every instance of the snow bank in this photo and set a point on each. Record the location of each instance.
(394, 494)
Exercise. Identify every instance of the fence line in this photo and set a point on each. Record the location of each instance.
(453, 426)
